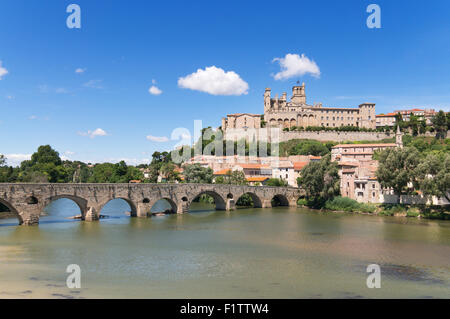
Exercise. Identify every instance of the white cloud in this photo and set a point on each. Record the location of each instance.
(80, 70)
(10, 97)
(214, 81)
(69, 153)
(154, 90)
(32, 117)
(294, 65)
(93, 134)
(94, 84)
(159, 139)
(3, 71)
(16, 159)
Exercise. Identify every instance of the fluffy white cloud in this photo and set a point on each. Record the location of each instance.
(95, 133)
(159, 139)
(16, 159)
(3, 71)
(154, 90)
(295, 65)
(214, 81)
(80, 70)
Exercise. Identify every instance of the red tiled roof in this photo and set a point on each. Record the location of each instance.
(298, 166)
(248, 165)
(257, 179)
(222, 171)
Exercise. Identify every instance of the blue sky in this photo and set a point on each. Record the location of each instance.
(125, 47)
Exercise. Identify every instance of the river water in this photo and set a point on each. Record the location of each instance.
(248, 253)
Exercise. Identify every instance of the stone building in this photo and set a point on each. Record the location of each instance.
(279, 112)
(383, 120)
(242, 121)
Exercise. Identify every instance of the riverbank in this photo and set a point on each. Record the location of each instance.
(347, 205)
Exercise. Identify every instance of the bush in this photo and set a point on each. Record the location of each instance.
(348, 205)
(413, 212)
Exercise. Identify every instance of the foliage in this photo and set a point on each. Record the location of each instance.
(441, 123)
(320, 179)
(233, 178)
(245, 200)
(348, 205)
(395, 167)
(433, 175)
(195, 173)
(276, 182)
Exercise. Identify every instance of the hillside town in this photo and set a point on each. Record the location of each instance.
(357, 167)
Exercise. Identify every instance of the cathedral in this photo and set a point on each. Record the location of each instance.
(279, 112)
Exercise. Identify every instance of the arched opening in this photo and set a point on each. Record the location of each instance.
(279, 200)
(31, 200)
(118, 208)
(9, 215)
(146, 200)
(207, 201)
(184, 199)
(62, 209)
(248, 200)
(230, 196)
(163, 206)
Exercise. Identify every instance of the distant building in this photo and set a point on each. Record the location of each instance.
(241, 120)
(422, 114)
(383, 120)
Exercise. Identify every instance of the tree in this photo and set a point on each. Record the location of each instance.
(320, 180)
(396, 167)
(195, 173)
(276, 182)
(169, 172)
(433, 175)
(45, 155)
(440, 124)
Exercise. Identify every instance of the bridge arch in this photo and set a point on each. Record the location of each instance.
(171, 202)
(218, 199)
(81, 202)
(279, 200)
(256, 202)
(12, 210)
(133, 207)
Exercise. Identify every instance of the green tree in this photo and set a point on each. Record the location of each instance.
(320, 180)
(440, 124)
(195, 173)
(433, 175)
(396, 167)
(45, 155)
(276, 182)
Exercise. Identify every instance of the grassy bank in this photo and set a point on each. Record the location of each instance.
(345, 204)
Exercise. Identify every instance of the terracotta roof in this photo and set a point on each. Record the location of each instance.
(298, 166)
(386, 115)
(257, 179)
(222, 171)
(249, 165)
(365, 145)
(240, 114)
(315, 157)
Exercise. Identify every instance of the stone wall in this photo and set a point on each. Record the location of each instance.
(274, 134)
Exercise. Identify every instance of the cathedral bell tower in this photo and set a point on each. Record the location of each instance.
(298, 94)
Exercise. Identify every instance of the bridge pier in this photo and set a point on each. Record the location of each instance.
(92, 214)
(142, 210)
(293, 202)
(182, 207)
(231, 204)
(266, 203)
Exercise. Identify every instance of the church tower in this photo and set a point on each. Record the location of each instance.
(298, 94)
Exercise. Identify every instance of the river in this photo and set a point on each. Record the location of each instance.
(248, 253)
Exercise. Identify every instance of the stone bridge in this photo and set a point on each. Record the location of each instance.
(29, 200)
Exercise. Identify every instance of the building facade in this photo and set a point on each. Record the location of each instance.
(279, 112)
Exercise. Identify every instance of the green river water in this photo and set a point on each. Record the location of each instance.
(248, 253)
